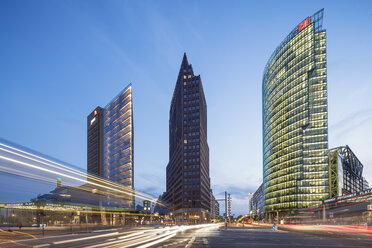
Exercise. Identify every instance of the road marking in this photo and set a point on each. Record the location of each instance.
(14, 232)
(39, 246)
(151, 239)
(175, 243)
(86, 238)
(189, 244)
(105, 230)
(32, 236)
(158, 241)
(120, 241)
(12, 241)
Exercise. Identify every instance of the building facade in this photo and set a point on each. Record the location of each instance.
(110, 144)
(187, 173)
(258, 201)
(215, 207)
(118, 139)
(95, 142)
(365, 184)
(295, 120)
(346, 172)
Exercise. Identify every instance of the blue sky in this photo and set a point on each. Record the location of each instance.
(61, 59)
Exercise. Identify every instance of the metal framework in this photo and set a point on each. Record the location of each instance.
(352, 170)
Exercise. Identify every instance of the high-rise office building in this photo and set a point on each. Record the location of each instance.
(110, 143)
(295, 120)
(188, 182)
(95, 142)
(118, 139)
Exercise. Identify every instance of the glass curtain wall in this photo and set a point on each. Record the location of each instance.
(295, 119)
(118, 139)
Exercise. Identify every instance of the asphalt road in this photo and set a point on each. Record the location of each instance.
(197, 236)
(255, 236)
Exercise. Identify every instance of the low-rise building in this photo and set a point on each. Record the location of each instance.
(345, 172)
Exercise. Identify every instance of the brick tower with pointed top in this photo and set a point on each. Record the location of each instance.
(188, 181)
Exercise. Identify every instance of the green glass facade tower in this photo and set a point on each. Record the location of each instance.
(295, 119)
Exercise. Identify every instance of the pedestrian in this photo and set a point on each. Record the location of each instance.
(20, 225)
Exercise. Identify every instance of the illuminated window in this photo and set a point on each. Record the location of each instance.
(295, 129)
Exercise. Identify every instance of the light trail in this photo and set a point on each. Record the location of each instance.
(128, 238)
(77, 174)
(130, 235)
(27, 175)
(149, 238)
(85, 238)
(157, 241)
(167, 235)
(121, 191)
(64, 167)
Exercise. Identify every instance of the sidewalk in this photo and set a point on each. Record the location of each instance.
(14, 233)
(350, 229)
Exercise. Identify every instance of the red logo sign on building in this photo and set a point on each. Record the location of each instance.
(304, 24)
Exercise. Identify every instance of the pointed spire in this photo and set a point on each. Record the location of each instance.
(185, 69)
(185, 63)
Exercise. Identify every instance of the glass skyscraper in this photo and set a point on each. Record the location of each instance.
(110, 144)
(118, 139)
(295, 119)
